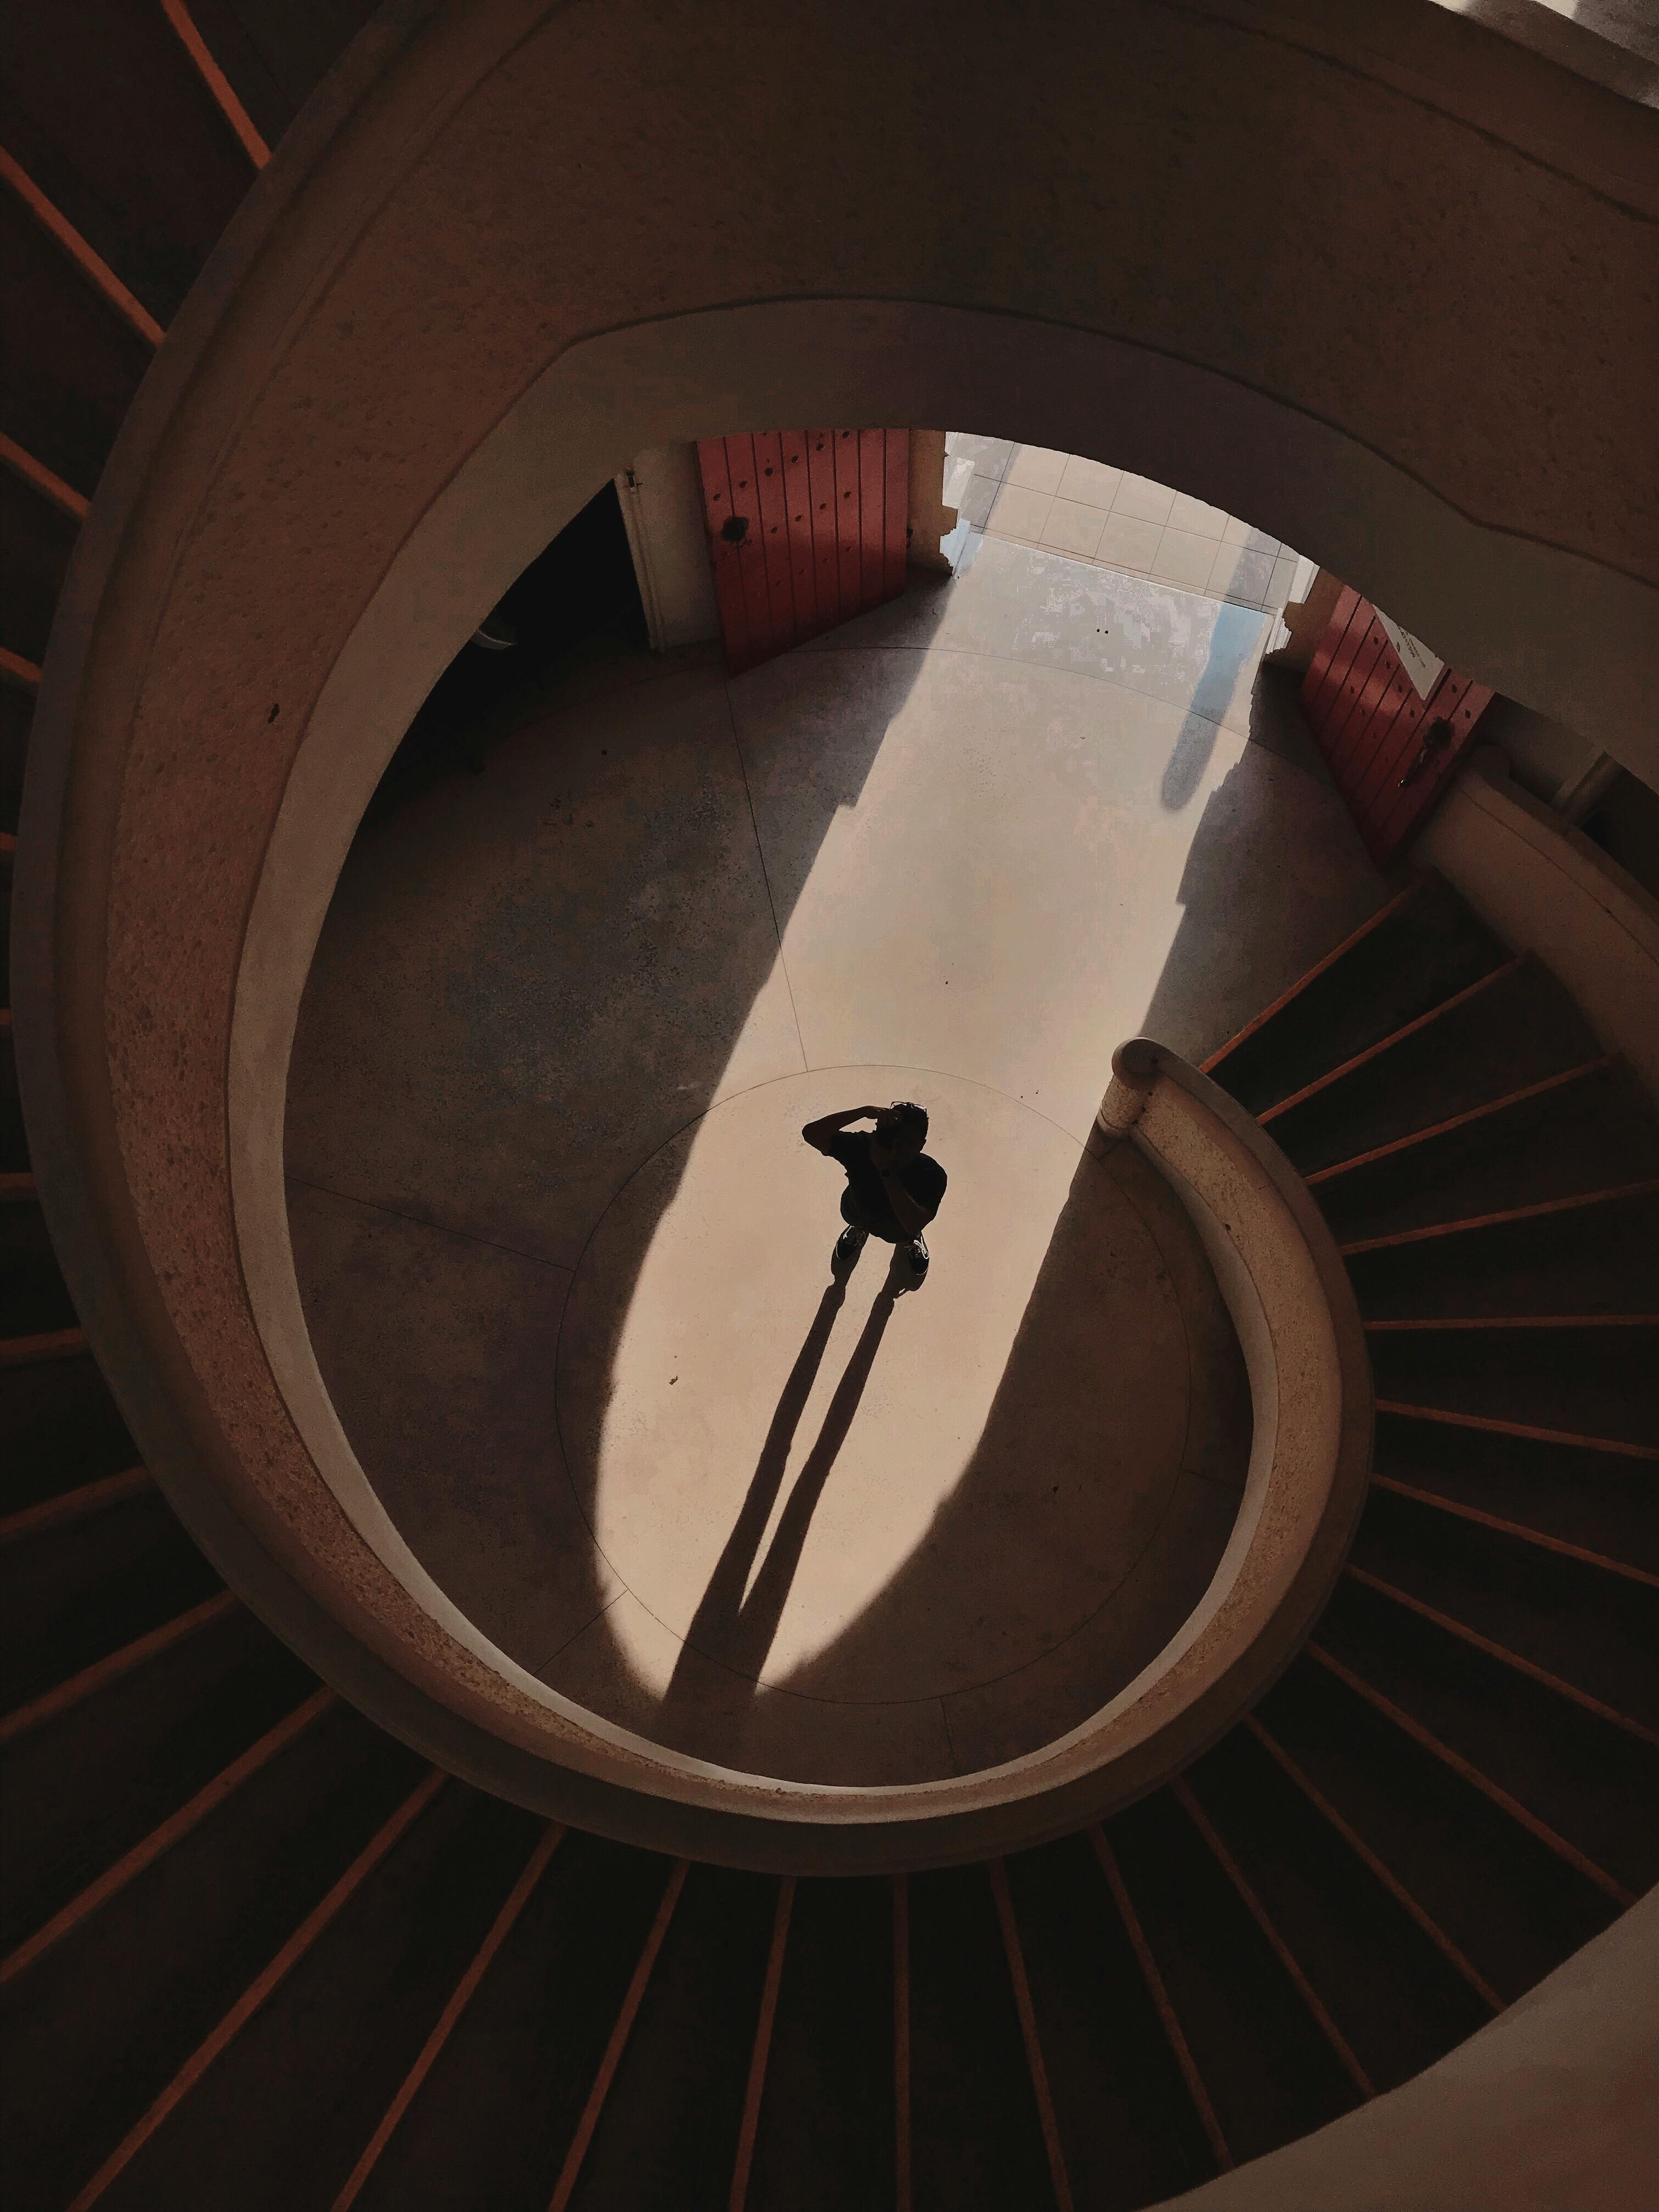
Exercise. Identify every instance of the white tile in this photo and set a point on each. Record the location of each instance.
(1073, 528)
(1019, 513)
(1093, 482)
(1128, 542)
(1182, 557)
(1278, 589)
(1246, 534)
(1146, 502)
(1240, 573)
(989, 455)
(1037, 468)
(1193, 514)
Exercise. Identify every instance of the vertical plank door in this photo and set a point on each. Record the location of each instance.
(1391, 751)
(807, 528)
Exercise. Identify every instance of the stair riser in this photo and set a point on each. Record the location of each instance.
(1589, 1134)
(1516, 1032)
(1595, 1381)
(1427, 948)
(1590, 1260)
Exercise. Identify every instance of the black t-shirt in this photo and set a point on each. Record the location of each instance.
(923, 1180)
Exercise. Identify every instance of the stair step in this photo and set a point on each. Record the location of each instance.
(1592, 1254)
(1587, 1781)
(33, 1350)
(1392, 1709)
(343, 2012)
(1266, 2064)
(1129, 2128)
(1295, 1971)
(1522, 1533)
(1374, 1865)
(59, 1429)
(1418, 950)
(86, 1790)
(34, 1301)
(1400, 1994)
(1508, 1901)
(825, 2134)
(1558, 1684)
(1559, 1378)
(1157, 1989)
(1515, 1026)
(1564, 1612)
(1575, 1440)
(668, 2128)
(1586, 1129)
(976, 2136)
(176, 1955)
(505, 2095)
(74, 1594)
(465, 1988)
(144, 1853)
(90, 1680)
(71, 1506)
(156, 2161)
(13, 1140)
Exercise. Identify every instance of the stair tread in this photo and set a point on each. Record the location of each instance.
(1515, 1028)
(1419, 947)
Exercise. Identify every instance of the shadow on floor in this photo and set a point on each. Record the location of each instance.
(562, 1076)
(1098, 1394)
(736, 1622)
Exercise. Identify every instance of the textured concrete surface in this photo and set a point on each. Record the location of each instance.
(564, 1257)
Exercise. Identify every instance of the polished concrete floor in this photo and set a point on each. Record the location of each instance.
(565, 1258)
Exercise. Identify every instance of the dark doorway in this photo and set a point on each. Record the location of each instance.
(577, 603)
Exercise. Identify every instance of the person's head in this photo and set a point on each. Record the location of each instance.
(901, 1130)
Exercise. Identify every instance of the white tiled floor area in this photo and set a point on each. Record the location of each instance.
(1091, 511)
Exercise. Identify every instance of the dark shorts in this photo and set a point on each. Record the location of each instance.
(854, 1218)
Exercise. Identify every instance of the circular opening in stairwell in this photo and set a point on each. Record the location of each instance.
(561, 1033)
(445, 564)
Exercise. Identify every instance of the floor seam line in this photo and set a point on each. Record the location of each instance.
(766, 877)
(466, 1236)
(592, 1622)
(950, 1740)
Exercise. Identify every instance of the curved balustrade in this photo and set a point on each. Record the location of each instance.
(327, 475)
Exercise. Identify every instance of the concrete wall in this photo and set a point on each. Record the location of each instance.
(1545, 889)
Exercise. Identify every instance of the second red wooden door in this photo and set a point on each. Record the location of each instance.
(807, 528)
(1390, 749)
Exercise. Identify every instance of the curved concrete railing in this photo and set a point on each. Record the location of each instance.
(1550, 2105)
(460, 296)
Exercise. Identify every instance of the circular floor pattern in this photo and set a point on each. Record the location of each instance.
(879, 1496)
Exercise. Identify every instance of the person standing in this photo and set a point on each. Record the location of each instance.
(893, 1187)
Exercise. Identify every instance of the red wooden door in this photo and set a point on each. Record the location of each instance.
(806, 528)
(1390, 750)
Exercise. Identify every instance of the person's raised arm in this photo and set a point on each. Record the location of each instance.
(817, 1133)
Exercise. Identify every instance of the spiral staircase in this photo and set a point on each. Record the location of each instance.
(255, 1952)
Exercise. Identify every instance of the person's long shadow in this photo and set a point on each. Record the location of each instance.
(737, 1631)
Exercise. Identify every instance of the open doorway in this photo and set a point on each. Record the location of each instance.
(1089, 511)
(576, 605)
